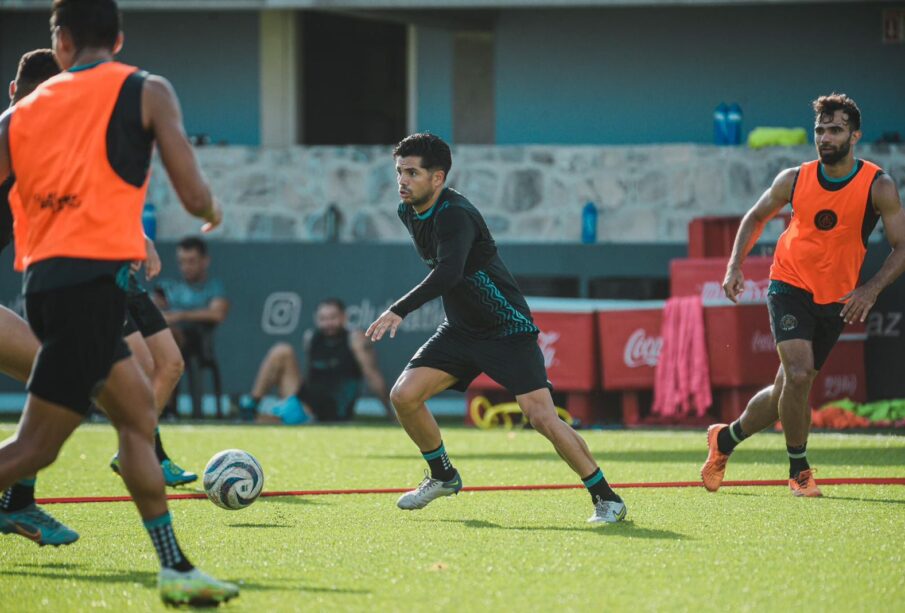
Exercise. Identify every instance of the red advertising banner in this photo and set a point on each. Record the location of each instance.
(704, 277)
(630, 345)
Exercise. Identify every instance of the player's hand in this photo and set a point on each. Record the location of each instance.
(214, 217)
(152, 263)
(388, 320)
(733, 283)
(858, 303)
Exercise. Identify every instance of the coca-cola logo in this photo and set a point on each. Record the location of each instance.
(641, 349)
(755, 291)
(839, 386)
(762, 342)
(547, 342)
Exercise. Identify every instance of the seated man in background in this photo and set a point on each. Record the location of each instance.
(336, 359)
(196, 304)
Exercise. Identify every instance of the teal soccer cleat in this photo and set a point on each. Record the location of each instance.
(176, 475)
(172, 473)
(34, 523)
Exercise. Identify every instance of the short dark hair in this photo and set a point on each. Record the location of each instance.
(335, 302)
(432, 150)
(92, 24)
(828, 105)
(35, 67)
(193, 243)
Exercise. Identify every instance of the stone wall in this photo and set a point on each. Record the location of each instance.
(533, 193)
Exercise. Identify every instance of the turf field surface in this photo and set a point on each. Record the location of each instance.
(750, 548)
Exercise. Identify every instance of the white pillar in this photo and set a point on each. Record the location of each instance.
(279, 83)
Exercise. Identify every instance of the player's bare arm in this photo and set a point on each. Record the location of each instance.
(885, 197)
(162, 116)
(215, 313)
(367, 361)
(767, 206)
(387, 322)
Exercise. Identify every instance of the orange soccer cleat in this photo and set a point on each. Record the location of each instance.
(715, 467)
(804, 485)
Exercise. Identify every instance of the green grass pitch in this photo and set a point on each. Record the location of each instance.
(741, 549)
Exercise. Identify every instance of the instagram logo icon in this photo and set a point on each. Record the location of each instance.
(281, 313)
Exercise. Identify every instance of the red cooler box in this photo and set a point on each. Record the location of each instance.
(843, 375)
(740, 345)
(704, 277)
(630, 342)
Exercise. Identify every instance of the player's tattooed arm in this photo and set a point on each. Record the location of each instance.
(886, 200)
(767, 206)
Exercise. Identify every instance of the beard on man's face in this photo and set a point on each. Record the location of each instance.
(416, 202)
(834, 155)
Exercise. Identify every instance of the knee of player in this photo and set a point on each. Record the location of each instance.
(172, 368)
(404, 398)
(282, 350)
(798, 376)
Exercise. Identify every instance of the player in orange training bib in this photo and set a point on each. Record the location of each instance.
(836, 203)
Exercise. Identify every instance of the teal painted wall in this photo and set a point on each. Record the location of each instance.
(435, 82)
(652, 75)
(212, 59)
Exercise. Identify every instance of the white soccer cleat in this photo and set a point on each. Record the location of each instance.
(193, 588)
(607, 511)
(428, 491)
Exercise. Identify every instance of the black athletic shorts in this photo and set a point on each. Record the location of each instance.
(515, 362)
(795, 315)
(142, 315)
(81, 333)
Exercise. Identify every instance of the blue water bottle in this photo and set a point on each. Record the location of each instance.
(719, 124)
(589, 224)
(734, 124)
(149, 220)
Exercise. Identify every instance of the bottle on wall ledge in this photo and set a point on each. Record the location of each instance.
(589, 224)
(720, 127)
(734, 124)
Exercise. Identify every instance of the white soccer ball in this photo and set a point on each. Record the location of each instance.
(233, 479)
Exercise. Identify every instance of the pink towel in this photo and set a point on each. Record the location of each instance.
(682, 379)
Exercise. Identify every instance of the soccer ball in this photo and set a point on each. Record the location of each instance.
(233, 479)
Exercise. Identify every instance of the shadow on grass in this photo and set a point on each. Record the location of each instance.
(246, 525)
(849, 456)
(831, 497)
(149, 579)
(624, 528)
(143, 578)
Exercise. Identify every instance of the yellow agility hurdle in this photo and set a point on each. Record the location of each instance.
(487, 416)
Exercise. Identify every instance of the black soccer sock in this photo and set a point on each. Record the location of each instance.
(599, 488)
(798, 460)
(729, 437)
(18, 496)
(168, 551)
(158, 447)
(441, 467)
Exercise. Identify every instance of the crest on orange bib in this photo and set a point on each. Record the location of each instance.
(825, 220)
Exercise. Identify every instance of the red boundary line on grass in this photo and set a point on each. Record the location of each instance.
(494, 488)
